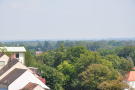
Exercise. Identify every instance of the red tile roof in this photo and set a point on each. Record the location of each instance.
(131, 76)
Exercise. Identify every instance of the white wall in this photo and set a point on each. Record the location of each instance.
(131, 84)
(22, 58)
(24, 79)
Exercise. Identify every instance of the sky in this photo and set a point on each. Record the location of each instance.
(66, 19)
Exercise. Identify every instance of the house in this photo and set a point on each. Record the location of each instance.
(14, 75)
(32, 86)
(12, 64)
(4, 59)
(130, 79)
(20, 78)
(16, 52)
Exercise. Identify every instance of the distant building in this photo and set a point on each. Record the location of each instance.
(16, 52)
(39, 52)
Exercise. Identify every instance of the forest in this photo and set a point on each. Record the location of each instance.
(81, 65)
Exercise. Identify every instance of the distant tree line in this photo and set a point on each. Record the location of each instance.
(51, 45)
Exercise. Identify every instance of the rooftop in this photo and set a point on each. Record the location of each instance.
(12, 76)
(10, 64)
(13, 49)
(30, 86)
(131, 76)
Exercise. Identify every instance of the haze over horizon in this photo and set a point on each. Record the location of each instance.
(66, 19)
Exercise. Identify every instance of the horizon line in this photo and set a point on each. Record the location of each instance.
(92, 39)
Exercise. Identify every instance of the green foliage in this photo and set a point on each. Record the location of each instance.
(55, 79)
(30, 59)
(96, 74)
(105, 52)
(77, 68)
(4, 51)
(66, 68)
(120, 63)
(86, 59)
(47, 58)
(127, 52)
(69, 71)
(58, 57)
(112, 85)
(75, 51)
(106, 63)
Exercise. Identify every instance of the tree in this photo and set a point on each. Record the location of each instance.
(66, 68)
(96, 74)
(126, 51)
(30, 59)
(46, 46)
(112, 85)
(69, 71)
(55, 79)
(87, 59)
(120, 63)
(76, 51)
(47, 58)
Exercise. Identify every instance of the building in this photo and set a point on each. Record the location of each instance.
(10, 66)
(14, 75)
(15, 70)
(38, 53)
(19, 78)
(16, 52)
(130, 79)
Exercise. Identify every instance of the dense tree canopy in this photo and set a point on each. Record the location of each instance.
(78, 68)
(95, 74)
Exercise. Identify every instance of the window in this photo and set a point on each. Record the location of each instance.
(17, 55)
(2, 63)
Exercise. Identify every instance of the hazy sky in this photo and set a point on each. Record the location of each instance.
(66, 19)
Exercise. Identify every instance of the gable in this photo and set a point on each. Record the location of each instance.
(24, 79)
